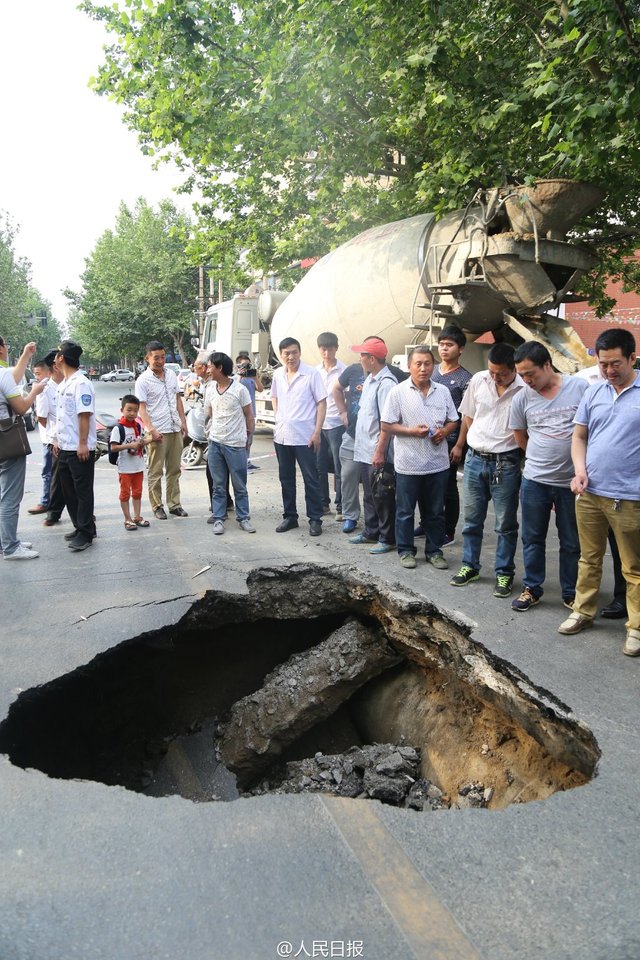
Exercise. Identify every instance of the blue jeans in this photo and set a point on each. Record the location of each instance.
(12, 474)
(477, 490)
(305, 457)
(330, 441)
(536, 502)
(225, 462)
(430, 489)
(47, 463)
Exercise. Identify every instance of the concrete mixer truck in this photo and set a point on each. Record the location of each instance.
(501, 265)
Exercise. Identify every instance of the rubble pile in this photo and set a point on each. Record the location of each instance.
(381, 771)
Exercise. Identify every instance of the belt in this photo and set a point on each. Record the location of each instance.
(506, 455)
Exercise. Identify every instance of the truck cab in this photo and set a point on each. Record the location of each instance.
(233, 326)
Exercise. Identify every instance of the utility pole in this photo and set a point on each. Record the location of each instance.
(201, 304)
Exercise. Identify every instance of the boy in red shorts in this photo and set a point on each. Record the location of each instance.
(127, 440)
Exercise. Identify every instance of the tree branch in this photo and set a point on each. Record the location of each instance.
(623, 14)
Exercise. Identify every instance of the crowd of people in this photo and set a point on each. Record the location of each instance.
(533, 442)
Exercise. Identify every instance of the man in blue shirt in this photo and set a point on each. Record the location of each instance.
(606, 453)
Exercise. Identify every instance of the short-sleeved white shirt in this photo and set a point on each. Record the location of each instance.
(8, 390)
(330, 378)
(407, 404)
(224, 413)
(161, 397)
(490, 431)
(128, 461)
(75, 396)
(46, 405)
(297, 405)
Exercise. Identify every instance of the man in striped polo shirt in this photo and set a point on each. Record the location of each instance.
(162, 413)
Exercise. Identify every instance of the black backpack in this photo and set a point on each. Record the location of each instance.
(114, 454)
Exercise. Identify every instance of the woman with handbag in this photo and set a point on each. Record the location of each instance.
(14, 448)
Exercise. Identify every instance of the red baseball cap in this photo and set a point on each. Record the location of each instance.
(373, 345)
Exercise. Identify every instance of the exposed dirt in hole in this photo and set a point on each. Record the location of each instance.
(145, 714)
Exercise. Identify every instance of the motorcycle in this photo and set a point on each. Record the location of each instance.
(195, 451)
(105, 423)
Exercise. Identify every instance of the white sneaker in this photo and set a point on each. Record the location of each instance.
(25, 543)
(632, 643)
(246, 526)
(22, 553)
(218, 527)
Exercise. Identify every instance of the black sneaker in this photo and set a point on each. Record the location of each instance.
(525, 600)
(465, 575)
(78, 544)
(503, 587)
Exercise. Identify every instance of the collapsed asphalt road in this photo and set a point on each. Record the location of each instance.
(99, 871)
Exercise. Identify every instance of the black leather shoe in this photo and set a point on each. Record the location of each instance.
(315, 528)
(615, 610)
(178, 512)
(159, 513)
(289, 523)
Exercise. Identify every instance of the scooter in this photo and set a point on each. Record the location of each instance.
(195, 451)
(105, 423)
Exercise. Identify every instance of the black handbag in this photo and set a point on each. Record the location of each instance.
(13, 439)
(383, 482)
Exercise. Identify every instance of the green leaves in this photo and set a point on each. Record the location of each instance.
(305, 122)
(138, 283)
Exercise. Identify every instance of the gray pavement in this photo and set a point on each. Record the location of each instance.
(102, 873)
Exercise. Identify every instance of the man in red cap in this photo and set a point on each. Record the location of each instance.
(372, 448)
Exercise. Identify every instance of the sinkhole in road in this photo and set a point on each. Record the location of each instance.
(316, 679)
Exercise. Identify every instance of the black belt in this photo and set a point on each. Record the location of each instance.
(507, 455)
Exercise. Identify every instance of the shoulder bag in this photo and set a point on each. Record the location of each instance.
(13, 439)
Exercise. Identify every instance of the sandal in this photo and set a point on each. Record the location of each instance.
(140, 522)
(130, 525)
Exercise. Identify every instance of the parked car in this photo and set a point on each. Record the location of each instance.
(175, 367)
(114, 375)
(30, 418)
(184, 376)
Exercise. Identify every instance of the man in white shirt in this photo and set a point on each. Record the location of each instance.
(300, 404)
(162, 413)
(420, 414)
(330, 369)
(491, 469)
(229, 418)
(75, 445)
(46, 410)
(42, 371)
(13, 469)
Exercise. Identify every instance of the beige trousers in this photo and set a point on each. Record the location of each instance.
(165, 457)
(595, 515)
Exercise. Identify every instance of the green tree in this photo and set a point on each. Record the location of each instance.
(305, 121)
(138, 285)
(24, 314)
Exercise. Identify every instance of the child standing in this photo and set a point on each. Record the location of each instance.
(130, 460)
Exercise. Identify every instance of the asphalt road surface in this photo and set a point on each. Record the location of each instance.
(101, 873)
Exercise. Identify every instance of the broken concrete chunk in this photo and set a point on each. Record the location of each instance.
(263, 724)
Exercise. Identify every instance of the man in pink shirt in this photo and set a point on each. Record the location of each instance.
(300, 404)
